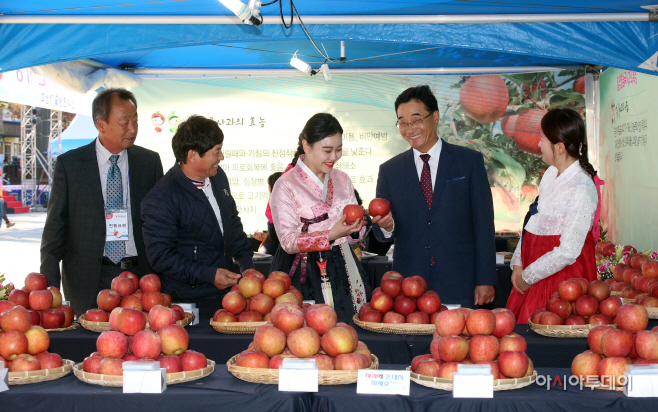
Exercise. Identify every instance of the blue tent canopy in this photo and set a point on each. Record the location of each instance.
(623, 44)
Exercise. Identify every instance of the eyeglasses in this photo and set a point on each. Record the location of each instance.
(415, 123)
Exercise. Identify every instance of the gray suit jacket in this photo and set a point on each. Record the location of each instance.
(74, 232)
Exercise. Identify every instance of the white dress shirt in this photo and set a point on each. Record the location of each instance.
(566, 207)
(206, 188)
(103, 158)
(433, 163)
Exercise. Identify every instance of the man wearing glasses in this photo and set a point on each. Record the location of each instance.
(441, 207)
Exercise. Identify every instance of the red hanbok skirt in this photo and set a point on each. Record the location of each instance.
(537, 295)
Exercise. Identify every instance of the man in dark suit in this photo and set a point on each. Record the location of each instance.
(192, 230)
(441, 207)
(86, 182)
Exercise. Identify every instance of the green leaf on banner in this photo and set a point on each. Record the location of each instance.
(514, 79)
(512, 167)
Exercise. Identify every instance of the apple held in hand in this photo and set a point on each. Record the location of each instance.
(352, 213)
(379, 207)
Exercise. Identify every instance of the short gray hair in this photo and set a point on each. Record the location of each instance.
(102, 104)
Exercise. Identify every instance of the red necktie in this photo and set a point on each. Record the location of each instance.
(426, 184)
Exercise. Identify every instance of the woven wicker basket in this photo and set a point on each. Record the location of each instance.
(397, 328)
(564, 331)
(271, 376)
(72, 327)
(236, 328)
(653, 313)
(615, 293)
(42, 375)
(103, 326)
(499, 384)
(117, 381)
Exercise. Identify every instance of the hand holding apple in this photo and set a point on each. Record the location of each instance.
(385, 222)
(342, 229)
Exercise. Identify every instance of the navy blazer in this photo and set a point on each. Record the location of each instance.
(458, 230)
(184, 243)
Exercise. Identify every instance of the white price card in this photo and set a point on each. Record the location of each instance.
(472, 381)
(383, 382)
(298, 375)
(641, 381)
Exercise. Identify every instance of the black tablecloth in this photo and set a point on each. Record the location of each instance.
(221, 391)
(390, 348)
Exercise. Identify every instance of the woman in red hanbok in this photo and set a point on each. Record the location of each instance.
(558, 236)
(307, 208)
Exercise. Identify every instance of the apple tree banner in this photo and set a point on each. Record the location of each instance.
(261, 117)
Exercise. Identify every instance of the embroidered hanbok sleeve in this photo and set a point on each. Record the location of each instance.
(286, 221)
(577, 224)
(516, 258)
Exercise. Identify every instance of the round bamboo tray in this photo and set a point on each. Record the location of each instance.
(42, 375)
(72, 327)
(499, 384)
(103, 326)
(271, 376)
(236, 328)
(117, 381)
(397, 328)
(564, 331)
(615, 293)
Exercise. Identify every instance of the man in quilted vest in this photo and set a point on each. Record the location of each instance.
(192, 230)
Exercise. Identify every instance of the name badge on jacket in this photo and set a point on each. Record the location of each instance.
(116, 225)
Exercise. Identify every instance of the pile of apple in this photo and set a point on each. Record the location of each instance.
(482, 336)
(638, 279)
(43, 303)
(24, 346)
(402, 300)
(253, 298)
(130, 340)
(314, 335)
(579, 302)
(128, 291)
(610, 349)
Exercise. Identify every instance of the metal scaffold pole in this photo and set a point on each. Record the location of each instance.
(29, 122)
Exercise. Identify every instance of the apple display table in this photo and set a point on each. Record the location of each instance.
(222, 391)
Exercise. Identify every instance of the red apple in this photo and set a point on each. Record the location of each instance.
(452, 348)
(481, 322)
(111, 366)
(223, 315)
(550, 318)
(253, 273)
(534, 318)
(24, 363)
(69, 315)
(570, 290)
(131, 321)
(611, 370)
(632, 318)
(175, 339)
(587, 305)
(91, 364)
(513, 343)
(234, 303)
(505, 322)
(35, 317)
(594, 338)
(40, 299)
(146, 344)
(19, 297)
(351, 361)
(151, 299)
(249, 359)
(560, 307)
(585, 364)
(420, 318)
(352, 213)
(112, 344)
(338, 340)
(282, 276)
(513, 364)
(447, 369)
(391, 286)
(610, 306)
(192, 360)
(393, 317)
(414, 286)
(250, 316)
(97, 315)
(52, 318)
(599, 289)
(274, 287)
(450, 322)
(600, 319)
(646, 344)
(131, 301)
(427, 367)
(250, 287)
(429, 302)
(271, 340)
(150, 283)
(382, 302)
(324, 362)
(403, 305)
(575, 320)
(13, 343)
(113, 318)
(16, 318)
(49, 360)
(616, 342)
(172, 363)
(303, 342)
(321, 318)
(108, 299)
(414, 361)
(35, 281)
(483, 348)
(379, 207)
(288, 297)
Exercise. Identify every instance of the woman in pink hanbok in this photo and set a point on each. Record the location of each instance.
(307, 208)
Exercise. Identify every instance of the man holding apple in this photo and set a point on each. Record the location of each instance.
(441, 207)
(192, 230)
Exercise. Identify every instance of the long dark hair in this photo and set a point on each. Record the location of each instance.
(567, 127)
(318, 127)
